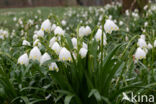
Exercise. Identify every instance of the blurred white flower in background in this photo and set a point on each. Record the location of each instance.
(25, 43)
(23, 59)
(83, 52)
(52, 41)
(74, 42)
(155, 43)
(59, 31)
(150, 46)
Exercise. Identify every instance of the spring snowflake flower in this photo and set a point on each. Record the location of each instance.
(46, 25)
(45, 57)
(150, 46)
(58, 30)
(98, 35)
(84, 31)
(23, 59)
(140, 54)
(155, 43)
(142, 43)
(53, 66)
(63, 22)
(64, 55)
(52, 41)
(110, 26)
(143, 36)
(40, 33)
(146, 24)
(121, 23)
(26, 43)
(35, 54)
(3, 34)
(87, 31)
(84, 45)
(53, 27)
(56, 47)
(37, 43)
(83, 52)
(74, 42)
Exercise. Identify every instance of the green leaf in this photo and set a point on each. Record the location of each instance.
(68, 99)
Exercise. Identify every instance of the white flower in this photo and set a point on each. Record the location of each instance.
(74, 42)
(14, 19)
(82, 31)
(56, 47)
(98, 35)
(26, 43)
(121, 23)
(140, 54)
(59, 30)
(127, 12)
(35, 54)
(37, 43)
(155, 43)
(83, 52)
(87, 31)
(143, 36)
(63, 22)
(23, 59)
(84, 45)
(65, 55)
(110, 26)
(53, 27)
(46, 25)
(150, 46)
(45, 57)
(53, 66)
(52, 41)
(40, 33)
(142, 43)
(146, 24)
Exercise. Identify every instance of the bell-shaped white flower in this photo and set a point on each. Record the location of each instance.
(110, 26)
(63, 22)
(84, 45)
(45, 57)
(150, 46)
(25, 43)
(155, 43)
(37, 43)
(53, 66)
(140, 54)
(40, 33)
(56, 47)
(59, 31)
(46, 25)
(23, 59)
(74, 42)
(53, 27)
(142, 36)
(52, 41)
(87, 31)
(35, 54)
(65, 55)
(83, 52)
(82, 31)
(142, 43)
(98, 35)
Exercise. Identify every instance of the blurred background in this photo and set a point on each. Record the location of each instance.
(34, 3)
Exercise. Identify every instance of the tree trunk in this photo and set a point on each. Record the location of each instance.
(134, 4)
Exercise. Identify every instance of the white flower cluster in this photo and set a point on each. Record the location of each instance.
(142, 49)
(3, 34)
